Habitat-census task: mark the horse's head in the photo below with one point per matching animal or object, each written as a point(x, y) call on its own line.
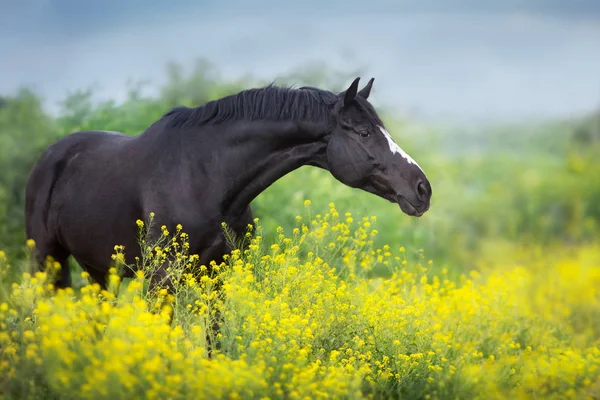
point(362, 154)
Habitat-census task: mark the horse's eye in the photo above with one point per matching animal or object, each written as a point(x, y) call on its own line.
point(364, 133)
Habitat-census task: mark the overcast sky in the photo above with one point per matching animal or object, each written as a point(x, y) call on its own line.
point(464, 60)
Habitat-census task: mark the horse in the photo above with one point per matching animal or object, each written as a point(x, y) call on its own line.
point(202, 167)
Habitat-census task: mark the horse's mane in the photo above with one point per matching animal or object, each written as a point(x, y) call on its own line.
point(267, 103)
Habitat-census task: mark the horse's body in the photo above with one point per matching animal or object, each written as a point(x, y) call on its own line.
point(201, 167)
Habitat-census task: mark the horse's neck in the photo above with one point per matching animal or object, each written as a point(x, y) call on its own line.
point(261, 153)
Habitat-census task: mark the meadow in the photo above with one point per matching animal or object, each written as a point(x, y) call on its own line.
point(493, 293)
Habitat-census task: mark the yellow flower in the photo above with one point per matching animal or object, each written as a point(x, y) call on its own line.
point(309, 317)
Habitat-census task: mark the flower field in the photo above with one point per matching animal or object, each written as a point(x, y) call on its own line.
point(309, 316)
point(493, 294)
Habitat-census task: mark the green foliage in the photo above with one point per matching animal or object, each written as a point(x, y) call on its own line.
point(25, 129)
point(534, 182)
point(299, 314)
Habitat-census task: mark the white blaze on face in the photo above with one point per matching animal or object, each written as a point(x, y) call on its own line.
point(396, 149)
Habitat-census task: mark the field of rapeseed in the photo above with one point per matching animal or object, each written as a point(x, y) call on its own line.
point(306, 318)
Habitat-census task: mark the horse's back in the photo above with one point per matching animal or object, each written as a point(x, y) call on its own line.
point(76, 142)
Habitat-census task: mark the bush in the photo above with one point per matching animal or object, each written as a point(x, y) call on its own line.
point(530, 182)
point(304, 318)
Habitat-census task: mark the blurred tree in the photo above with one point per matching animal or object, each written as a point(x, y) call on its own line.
point(76, 108)
point(506, 181)
point(318, 74)
point(587, 131)
point(25, 130)
point(201, 85)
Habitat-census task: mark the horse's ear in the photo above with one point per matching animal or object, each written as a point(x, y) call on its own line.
point(350, 93)
point(366, 91)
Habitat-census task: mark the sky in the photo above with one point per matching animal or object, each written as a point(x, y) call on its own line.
point(460, 60)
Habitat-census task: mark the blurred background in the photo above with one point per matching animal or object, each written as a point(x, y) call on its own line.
point(499, 102)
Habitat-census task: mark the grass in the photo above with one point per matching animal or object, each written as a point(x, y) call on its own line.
point(305, 316)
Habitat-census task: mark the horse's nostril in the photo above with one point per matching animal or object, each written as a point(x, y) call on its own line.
point(421, 189)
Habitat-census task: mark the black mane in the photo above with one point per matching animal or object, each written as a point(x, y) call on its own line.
point(267, 103)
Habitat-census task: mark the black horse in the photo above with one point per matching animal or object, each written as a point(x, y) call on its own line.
point(203, 166)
